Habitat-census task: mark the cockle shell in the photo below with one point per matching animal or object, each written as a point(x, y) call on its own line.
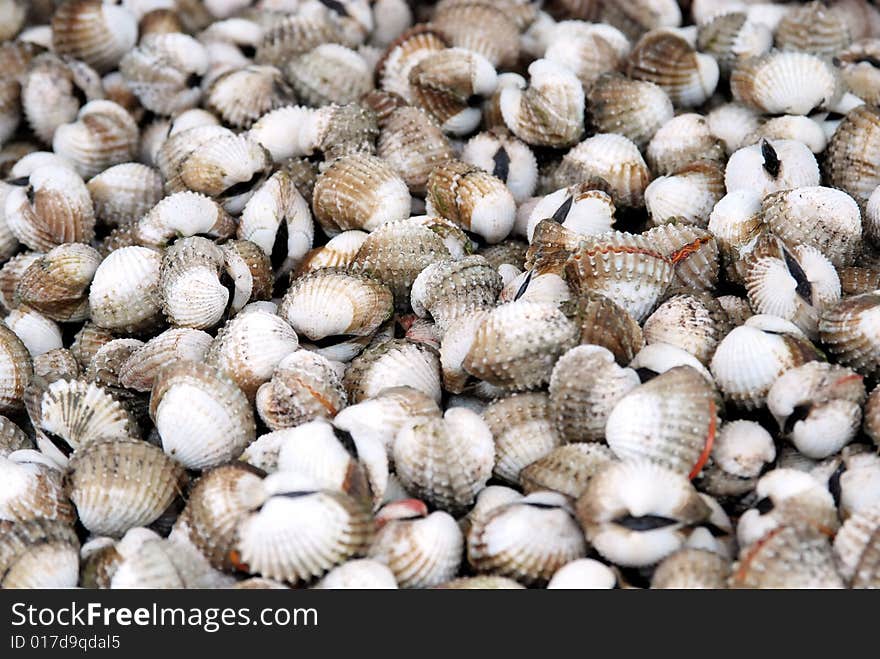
point(668, 60)
point(786, 82)
point(358, 574)
point(104, 134)
point(590, 51)
point(507, 158)
point(848, 330)
point(692, 569)
point(202, 417)
point(606, 324)
point(636, 109)
point(330, 73)
point(183, 214)
point(96, 32)
point(682, 141)
point(56, 283)
point(241, 96)
point(771, 166)
point(121, 194)
point(403, 54)
point(38, 333)
point(528, 539)
point(33, 488)
point(790, 127)
point(855, 548)
point(813, 28)
point(118, 484)
point(53, 207)
point(299, 33)
point(741, 452)
point(483, 27)
point(12, 438)
point(732, 123)
point(124, 294)
point(339, 252)
point(421, 550)
point(517, 344)
point(578, 208)
point(858, 69)
point(566, 469)
point(550, 111)
point(413, 144)
point(688, 195)
point(303, 387)
point(636, 513)
point(359, 192)
point(165, 72)
point(331, 302)
point(38, 553)
point(693, 322)
point(736, 223)
point(446, 461)
point(849, 158)
point(393, 363)
point(731, 36)
point(670, 420)
point(633, 17)
point(585, 385)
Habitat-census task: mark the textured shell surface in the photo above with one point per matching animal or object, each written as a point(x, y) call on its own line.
point(103, 134)
point(566, 469)
point(39, 554)
point(771, 166)
point(393, 363)
point(124, 294)
point(849, 158)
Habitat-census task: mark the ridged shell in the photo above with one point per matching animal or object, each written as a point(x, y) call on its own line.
point(527, 540)
point(858, 70)
point(668, 60)
point(124, 294)
point(784, 82)
point(682, 141)
point(330, 73)
point(412, 143)
point(693, 322)
point(692, 569)
point(549, 111)
point(422, 551)
point(850, 159)
point(403, 54)
point(104, 134)
point(771, 166)
point(849, 331)
point(123, 193)
point(566, 469)
point(635, 109)
point(303, 387)
point(670, 420)
point(604, 323)
point(813, 28)
point(687, 196)
point(56, 284)
point(855, 547)
point(33, 488)
point(482, 27)
point(38, 554)
point(517, 345)
point(736, 223)
point(588, 52)
point(12, 438)
point(183, 214)
point(202, 417)
point(731, 36)
point(118, 484)
point(94, 31)
point(445, 461)
point(393, 363)
point(241, 96)
point(358, 574)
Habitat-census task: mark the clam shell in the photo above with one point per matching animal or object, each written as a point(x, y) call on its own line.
point(56, 283)
point(303, 387)
point(858, 71)
point(118, 484)
point(687, 196)
point(124, 294)
point(507, 158)
point(692, 569)
point(358, 574)
point(359, 192)
point(38, 554)
point(279, 541)
point(566, 469)
point(294, 34)
point(191, 292)
point(849, 158)
point(693, 322)
point(183, 214)
point(403, 54)
point(732, 123)
point(202, 417)
point(848, 330)
point(731, 36)
point(249, 347)
point(141, 367)
point(813, 28)
point(549, 111)
point(104, 367)
point(241, 96)
point(330, 73)
point(421, 550)
point(855, 547)
point(670, 420)
point(104, 134)
point(413, 144)
point(445, 461)
point(528, 539)
point(749, 359)
point(668, 60)
point(33, 488)
point(38, 333)
point(482, 27)
point(12, 438)
point(524, 431)
point(736, 223)
point(123, 193)
point(339, 252)
point(517, 344)
point(331, 302)
point(636, 109)
point(393, 363)
point(786, 82)
point(633, 17)
point(585, 385)
point(682, 141)
point(94, 32)
point(587, 51)
point(606, 324)
point(787, 557)
point(771, 166)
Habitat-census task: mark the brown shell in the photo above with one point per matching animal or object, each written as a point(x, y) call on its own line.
point(604, 323)
point(848, 330)
point(413, 144)
point(567, 469)
point(853, 153)
point(17, 370)
point(482, 28)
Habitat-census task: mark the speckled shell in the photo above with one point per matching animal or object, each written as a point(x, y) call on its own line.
point(850, 162)
point(180, 215)
point(855, 548)
point(783, 82)
point(53, 207)
point(56, 283)
point(331, 302)
point(294, 34)
point(549, 111)
point(403, 54)
point(636, 109)
point(682, 141)
point(787, 557)
point(585, 385)
point(693, 322)
point(857, 69)
point(736, 223)
point(12, 438)
point(118, 484)
point(482, 27)
point(589, 51)
point(688, 195)
point(397, 252)
point(393, 363)
point(445, 461)
point(670, 420)
point(624, 267)
point(104, 134)
point(124, 294)
point(330, 73)
point(604, 323)
point(634, 17)
point(10, 273)
point(359, 192)
point(303, 387)
point(241, 96)
point(668, 60)
point(421, 550)
point(609, 162)
point(123, 193)
point(518, 343)
point(855, 280)
point(528, 539)
point(164, 70)
point(33, 488)
point(692, 569)
point(202, 417)
point(524, 431)
point(825, 218)
point(413, 144)
point(94, 31)
point(848, 330)
point(732, 123)
point(813, 28)
point(566, 469)
point(731, 36)
point(749, 359)
point(38, 554)
point(693, 253)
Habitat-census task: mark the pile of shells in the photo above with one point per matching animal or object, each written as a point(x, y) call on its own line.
point(458, 294)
